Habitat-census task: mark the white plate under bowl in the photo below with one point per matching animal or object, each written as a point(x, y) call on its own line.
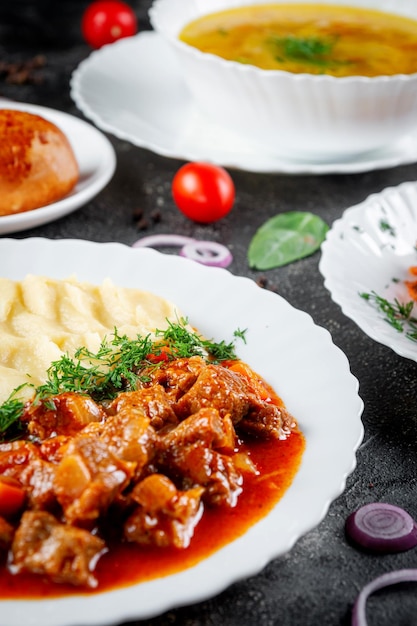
point(96, 160)
point(370, 249)
point(134, 89)
point(284, 345)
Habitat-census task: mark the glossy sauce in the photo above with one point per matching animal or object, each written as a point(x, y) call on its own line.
point(309, 38)
point(127, 564)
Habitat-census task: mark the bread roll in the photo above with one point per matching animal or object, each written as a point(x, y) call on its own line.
point(37, 163)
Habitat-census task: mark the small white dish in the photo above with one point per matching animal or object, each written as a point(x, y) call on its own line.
point(96, 159)
point(134, 89)
point(284, 345)
point(370, 249)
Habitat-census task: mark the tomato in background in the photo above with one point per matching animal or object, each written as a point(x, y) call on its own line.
point(203, 192)
point(106, 21)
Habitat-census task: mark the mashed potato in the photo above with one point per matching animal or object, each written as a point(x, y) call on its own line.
point(41, 319)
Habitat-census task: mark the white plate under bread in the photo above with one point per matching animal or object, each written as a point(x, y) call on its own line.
point(94, 156)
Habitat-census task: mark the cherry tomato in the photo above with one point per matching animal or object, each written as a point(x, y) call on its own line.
point(203, 192)
point(105, 21)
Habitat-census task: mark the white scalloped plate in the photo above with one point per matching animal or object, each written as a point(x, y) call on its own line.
point(284, 345)
point(134, 89)
point(96, 159)
point(370, 249)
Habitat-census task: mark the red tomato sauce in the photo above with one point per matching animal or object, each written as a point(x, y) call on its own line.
point(126, 563)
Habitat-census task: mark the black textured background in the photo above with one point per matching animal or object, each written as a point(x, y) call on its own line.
point(316, 583)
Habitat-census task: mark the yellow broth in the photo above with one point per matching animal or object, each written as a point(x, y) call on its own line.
point(309, 38)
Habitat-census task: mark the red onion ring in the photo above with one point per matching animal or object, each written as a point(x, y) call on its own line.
point(382, 528)
point(386, 580)
point(208, 253)
point(162, 241)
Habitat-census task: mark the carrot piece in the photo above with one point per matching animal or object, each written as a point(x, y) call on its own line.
point(411, 288)
point(12, 496)
point(162, 357)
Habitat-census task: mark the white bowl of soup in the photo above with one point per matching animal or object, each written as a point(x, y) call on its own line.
point(302, 79)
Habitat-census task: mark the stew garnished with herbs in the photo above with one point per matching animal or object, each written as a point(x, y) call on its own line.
point(136, 461)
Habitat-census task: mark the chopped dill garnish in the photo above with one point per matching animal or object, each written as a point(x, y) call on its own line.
point(314, 50)
point(240, 334)
point(10, 413)
point(308, 48)
point(101, 374)
point(386, 227)
point(183, 343)
point(398, 314)
point(120, 364)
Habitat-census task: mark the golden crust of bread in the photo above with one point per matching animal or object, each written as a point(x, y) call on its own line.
point(37, 163)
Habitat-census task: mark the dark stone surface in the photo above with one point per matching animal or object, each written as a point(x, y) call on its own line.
point(316, 583)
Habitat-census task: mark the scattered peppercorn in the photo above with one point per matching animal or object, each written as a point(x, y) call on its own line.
point(142, 224)
point(137, 214)
point(23, 72)
point(262, 282)
point(156, 216)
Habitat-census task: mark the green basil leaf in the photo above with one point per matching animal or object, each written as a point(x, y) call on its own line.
point(285, 238)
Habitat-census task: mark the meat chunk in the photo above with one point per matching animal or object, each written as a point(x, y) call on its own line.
point(64, 414)
point(267, 421)
point(205, 426)
point(15, 455)
point(218, 388)
point(65, 554)
point(153, 401)
point(177, 376)
point(129, 436)
point(88, 478)
point(165, 516)
point(231, 393)
point(37, 478)
point(52, 449)
point(196, 465)
point(188, 454)
point(22, 461)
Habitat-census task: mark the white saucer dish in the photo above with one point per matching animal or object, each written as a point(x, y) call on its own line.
point(123, 88)
point(96, 159)
point(370, 249)
point(313, 378)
